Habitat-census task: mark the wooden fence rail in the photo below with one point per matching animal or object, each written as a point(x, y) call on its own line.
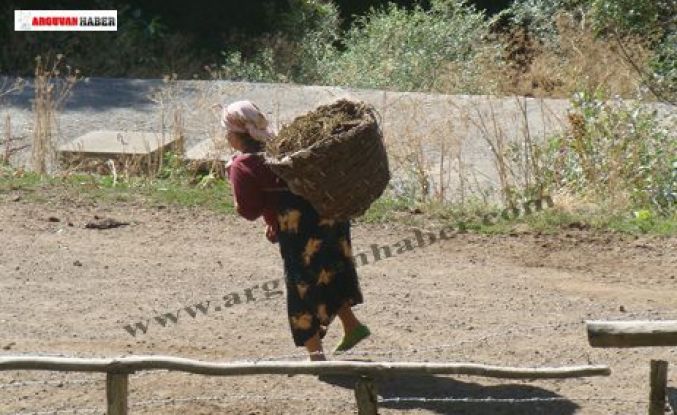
point(625, 334)
point(118, 369)
point(632, 333)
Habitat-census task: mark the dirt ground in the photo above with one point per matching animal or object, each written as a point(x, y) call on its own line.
point(513, 300)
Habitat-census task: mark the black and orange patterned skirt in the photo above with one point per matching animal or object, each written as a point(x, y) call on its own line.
point(318, 266)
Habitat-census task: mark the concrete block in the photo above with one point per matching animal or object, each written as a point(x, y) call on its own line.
point(91, 151)
point(110, 142)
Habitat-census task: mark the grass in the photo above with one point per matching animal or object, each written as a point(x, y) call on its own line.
point(216, 197)
point(664, 226)
point(386, 209)
point(550, 220)
point(556, 220)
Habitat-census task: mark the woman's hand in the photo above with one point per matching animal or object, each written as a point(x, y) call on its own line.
point(230, 163)
point(271, 233)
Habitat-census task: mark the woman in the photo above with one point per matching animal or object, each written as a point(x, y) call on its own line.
point(319, 271)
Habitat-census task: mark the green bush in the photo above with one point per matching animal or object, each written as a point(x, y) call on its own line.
point(615, 151)
point(395, 48)
point(392, 48)
point(644, 17)
point(304, 39)
point(538, 16)
point(313, 28)
point(260, 68)
point(664, 66)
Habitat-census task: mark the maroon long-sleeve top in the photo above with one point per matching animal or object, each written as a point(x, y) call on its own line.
point(252, 182)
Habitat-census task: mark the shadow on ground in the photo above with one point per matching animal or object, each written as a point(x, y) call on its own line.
point(432, 387)
point(97, 94)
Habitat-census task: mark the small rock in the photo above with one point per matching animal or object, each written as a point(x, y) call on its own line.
point(578, 225)
point(105, 223)
point(8, 346)
point(520, 228)
point(621, 309)
point(16, 198)
point(53, 219)
point(77, 263)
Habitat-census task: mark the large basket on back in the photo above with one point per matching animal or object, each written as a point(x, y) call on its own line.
point(342, 174)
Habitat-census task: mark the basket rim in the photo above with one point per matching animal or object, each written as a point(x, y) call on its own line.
point(287, 158)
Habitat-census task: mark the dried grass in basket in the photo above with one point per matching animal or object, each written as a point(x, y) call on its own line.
point(334, 157)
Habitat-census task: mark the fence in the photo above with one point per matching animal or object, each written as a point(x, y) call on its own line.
point(640, 334)
point(118, 371)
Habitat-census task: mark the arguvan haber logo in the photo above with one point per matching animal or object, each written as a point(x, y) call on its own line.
point(65, 20)
point(54, 21)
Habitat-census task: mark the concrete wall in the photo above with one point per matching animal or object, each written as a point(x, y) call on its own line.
point(442, 126)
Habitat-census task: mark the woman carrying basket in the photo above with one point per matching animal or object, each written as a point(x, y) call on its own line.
point(319, 271)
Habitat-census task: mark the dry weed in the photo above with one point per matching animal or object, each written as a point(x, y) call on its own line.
point(8, 140)
point(53, 83)
point(578, 60)
point(425, 162)
point(8, 87)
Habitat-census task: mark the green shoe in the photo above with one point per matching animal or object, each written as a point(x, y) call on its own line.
point(360, 333)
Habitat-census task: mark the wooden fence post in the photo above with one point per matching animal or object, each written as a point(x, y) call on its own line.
point(365, 394)
point(116, 393)
point(659, 383)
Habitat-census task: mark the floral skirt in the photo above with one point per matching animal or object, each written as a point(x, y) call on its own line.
point(319, 269)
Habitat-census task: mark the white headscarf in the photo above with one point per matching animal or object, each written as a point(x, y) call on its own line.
point(246, 117)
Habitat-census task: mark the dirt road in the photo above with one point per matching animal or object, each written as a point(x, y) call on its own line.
point(509, 300)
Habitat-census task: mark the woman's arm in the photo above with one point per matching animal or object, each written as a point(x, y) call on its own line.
point(248, 195)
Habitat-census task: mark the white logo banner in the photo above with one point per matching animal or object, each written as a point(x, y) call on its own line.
point(66, 20)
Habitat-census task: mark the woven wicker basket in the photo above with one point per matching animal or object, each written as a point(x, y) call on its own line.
point(340, 176)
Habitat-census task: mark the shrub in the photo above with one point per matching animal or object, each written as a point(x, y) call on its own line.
point(664, 67)
point(577, 60)
point(312, 29)
point(260, 68)
point(395, 48)
point(538, 16)
point(599, 35)
point(303, 43)
point(616, 151)
point(646, 17)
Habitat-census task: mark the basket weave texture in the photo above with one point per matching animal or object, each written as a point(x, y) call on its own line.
point(343, 173)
